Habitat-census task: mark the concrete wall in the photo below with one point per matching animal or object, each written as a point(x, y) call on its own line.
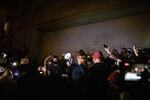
point(118, 33)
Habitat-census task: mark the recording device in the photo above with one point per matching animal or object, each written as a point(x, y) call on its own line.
point(105, 46)
point(135, 72)
point(132, 72)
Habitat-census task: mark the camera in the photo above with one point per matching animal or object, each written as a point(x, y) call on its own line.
point(136, 72)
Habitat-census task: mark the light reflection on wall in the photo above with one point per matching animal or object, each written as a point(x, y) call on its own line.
point(118, 33)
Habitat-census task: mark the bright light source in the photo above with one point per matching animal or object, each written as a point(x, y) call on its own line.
point(14, 64)
point(136, 69)
point(4, 55)
point(16, 74)
point(41, 72)
point(132, 76)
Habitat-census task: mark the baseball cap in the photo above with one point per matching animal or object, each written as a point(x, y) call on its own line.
point(97, 55)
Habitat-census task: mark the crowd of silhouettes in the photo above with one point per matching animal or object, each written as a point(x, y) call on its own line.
point(85, 75)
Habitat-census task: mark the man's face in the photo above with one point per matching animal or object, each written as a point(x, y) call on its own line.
point(55, 59)
point(80, 60)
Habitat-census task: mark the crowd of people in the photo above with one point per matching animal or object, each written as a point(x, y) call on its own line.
point(91, 75)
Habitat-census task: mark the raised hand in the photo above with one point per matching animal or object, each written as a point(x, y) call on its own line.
point(135, 50)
